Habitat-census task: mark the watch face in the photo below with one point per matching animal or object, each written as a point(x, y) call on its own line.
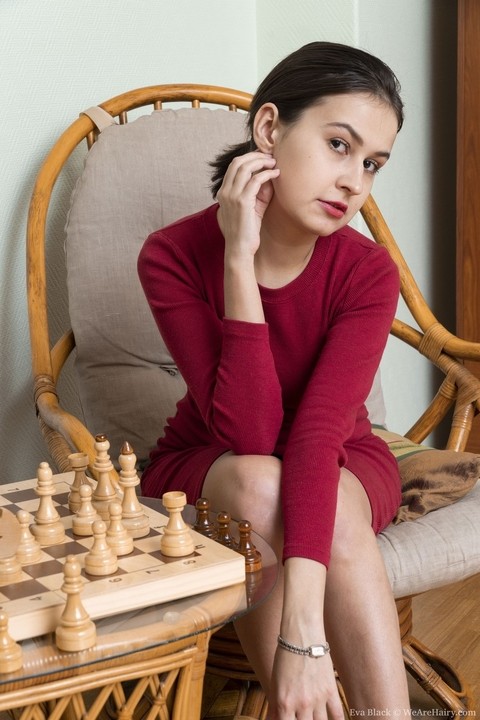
point(317, 650)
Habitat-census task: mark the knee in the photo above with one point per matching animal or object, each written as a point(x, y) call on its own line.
point(353, 531)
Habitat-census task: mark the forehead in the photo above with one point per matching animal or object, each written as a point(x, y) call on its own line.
point(367, 114)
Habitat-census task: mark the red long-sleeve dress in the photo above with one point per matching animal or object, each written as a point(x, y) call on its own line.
point(293, 387)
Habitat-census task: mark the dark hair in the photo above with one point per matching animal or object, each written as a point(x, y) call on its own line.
point(300, 80)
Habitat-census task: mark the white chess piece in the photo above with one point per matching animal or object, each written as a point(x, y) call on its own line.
point(118, 536)
point(75, 631)
point(85, 517)
point(133, 517)
point(47, 528)
point(177, 539)
point(101, 559)
point(28, 550)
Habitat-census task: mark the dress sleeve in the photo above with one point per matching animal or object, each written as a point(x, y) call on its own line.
point(327, 416)
point(227, 364)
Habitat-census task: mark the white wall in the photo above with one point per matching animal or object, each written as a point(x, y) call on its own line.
point(60, 56)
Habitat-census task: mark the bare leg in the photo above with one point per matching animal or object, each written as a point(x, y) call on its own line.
point(360, 614)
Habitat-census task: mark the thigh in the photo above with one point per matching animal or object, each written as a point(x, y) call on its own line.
point(248, 487)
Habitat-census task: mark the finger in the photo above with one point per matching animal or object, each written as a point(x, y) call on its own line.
point(241, 169)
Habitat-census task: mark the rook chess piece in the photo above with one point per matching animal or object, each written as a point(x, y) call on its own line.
point(85, 517)
point(75, 631)
point(104, 493)
point(133, 517)
point(47, 528)
point(203, 524)
point(101, 559)
point(10, 652)
point(177, 540)
point(118, 536)
point(79, 464)
point(28, 550)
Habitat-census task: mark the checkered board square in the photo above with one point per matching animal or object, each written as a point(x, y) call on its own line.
point(145, 577)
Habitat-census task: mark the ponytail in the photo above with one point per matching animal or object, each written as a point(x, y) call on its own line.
point(223, 160)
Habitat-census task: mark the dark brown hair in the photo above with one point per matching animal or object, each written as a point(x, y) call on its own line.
point(303, 78)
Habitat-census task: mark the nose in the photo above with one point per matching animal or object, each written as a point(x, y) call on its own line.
point(352, 178)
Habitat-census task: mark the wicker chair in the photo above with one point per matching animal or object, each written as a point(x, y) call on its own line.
point(459, 393)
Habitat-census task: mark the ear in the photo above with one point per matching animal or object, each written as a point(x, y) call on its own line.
point(265, 126)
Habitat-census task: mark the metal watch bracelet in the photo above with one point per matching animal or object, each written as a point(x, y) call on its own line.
point(315, 651)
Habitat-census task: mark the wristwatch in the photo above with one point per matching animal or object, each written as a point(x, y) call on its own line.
point(314, 651)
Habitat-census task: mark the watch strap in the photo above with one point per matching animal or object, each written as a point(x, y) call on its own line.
point(315, 651)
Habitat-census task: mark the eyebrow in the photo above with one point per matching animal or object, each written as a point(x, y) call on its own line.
point(357, 137)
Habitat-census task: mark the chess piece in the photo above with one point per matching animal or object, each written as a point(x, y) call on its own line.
point(75, 631)
point(223, 535)
point(10, 570)
point(79, 464)
point(177, 540)
point(203, 524)
point(104, 493)
point(28, 550)
point(253, 557)
point(118, 536)
point(83, 520)
point(47, 527)
point(11, 658)
point(133, 517)
point(101, 559)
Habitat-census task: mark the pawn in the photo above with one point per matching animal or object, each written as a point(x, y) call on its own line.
point(11, 658)
point(47, 528)
point(78, 463)
point(75, 631)
point(224, 537)
point(253, 557)
point(118, 536)
point(10, 570)
point(85, 517)
point(29, 550)
point(177, 539)
point(203, 524)
point(101, 559)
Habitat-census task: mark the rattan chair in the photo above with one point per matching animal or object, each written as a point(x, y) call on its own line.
point(458, 395)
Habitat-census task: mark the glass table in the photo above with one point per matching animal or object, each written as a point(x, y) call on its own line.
point(155, 656)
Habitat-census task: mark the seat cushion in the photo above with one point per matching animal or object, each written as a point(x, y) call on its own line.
point(440, 548)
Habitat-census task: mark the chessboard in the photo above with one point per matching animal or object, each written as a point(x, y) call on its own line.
point(144, 577)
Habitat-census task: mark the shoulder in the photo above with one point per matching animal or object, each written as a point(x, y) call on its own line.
point(362, 255)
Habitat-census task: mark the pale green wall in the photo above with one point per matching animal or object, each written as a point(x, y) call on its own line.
point(59, 56)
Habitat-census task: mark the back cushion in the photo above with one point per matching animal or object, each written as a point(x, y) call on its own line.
point(137, 178)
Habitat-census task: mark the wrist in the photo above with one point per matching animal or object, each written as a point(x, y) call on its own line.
point(316, 650)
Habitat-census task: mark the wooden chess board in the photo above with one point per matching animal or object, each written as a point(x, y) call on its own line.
point(144, 578)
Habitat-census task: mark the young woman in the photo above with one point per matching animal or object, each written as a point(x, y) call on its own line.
point(277, 314)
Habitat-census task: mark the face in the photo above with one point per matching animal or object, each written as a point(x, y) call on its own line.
point(328, 160)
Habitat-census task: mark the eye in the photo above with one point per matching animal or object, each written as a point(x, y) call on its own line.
point(339, 146)
point(371, 166)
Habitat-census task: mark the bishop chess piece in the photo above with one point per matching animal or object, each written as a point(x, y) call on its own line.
point(11, 658)
point(75, 631)
point(203, 524)
point(29, 550)
point(177, 539)
point(104, 493)
point(47, 527)
point(78, 463)
point(133, 517)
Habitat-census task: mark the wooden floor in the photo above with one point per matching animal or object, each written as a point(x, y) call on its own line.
point(446, 620)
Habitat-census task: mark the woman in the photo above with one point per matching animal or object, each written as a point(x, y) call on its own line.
point(277, 314)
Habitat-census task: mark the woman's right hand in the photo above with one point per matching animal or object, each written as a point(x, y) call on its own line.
point(243, 198)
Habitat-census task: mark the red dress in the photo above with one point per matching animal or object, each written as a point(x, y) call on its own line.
point(294, 387)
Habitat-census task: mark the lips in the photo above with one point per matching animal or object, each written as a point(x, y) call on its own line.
point(335, 209)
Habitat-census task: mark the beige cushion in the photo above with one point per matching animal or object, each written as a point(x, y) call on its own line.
point(430, 478)
point(137, 178)
point(440, 548)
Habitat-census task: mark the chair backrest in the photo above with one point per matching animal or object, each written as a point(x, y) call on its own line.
point(139, 176)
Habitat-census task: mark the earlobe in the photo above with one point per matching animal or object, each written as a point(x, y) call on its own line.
point(265, 126)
